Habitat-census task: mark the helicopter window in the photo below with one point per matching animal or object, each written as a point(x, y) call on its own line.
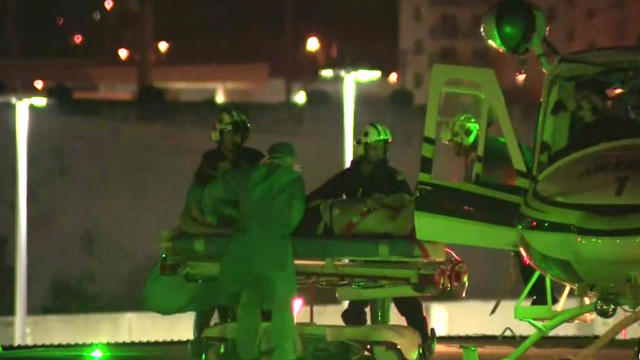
point(601, 108)
point(459, 133)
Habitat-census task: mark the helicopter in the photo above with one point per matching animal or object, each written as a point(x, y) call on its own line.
point(570, 205)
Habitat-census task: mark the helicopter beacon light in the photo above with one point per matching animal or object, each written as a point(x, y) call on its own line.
point(513, 26)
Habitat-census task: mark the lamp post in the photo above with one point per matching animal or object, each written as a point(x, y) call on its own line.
point(350, 78)
point(22, 132)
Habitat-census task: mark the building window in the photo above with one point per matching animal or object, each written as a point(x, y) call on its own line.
point(481, 56)
point(448, 55)
point(571, 34)
point(474, 26)
point(418, 80)
point(418, 47)
point(446, 28)
point(417, 13)
point(552, 15)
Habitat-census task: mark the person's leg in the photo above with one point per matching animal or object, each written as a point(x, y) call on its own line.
point(282, 324)
point(411, 309)
point(201, 321)
point(249, 322)
point(355, 313)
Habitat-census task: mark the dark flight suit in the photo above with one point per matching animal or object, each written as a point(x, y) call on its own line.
point(352, 183)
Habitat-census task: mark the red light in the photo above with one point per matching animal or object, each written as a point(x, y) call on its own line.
point(108, 4)
point(534, 223)
point(525, 257)
point(59, 20)
point(38, 84)
point(78, 39)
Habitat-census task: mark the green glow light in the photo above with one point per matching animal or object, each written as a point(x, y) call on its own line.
point(326, 73)
point(364, 75)
point(300, 98)
point(38, 101)
point(96, 354)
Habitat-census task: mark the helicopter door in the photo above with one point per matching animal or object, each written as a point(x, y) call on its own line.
point(473, 175)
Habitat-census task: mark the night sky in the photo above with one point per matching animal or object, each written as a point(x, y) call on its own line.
point(209, 31)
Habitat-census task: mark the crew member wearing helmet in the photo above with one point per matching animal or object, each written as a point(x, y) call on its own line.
point(497, 169)
point(370, 174)
point(230, 132)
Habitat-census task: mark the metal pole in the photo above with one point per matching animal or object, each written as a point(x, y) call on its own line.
point(348, 109)
point(146, 45)
point(22, 130)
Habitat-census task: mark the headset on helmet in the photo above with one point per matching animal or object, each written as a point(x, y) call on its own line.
point(372, 133)
point(462, 131)
point(232, 121)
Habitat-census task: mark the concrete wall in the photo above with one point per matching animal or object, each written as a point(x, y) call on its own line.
point(455, 318)
point(106, 178)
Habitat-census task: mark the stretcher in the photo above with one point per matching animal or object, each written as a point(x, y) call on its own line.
point(358, 267)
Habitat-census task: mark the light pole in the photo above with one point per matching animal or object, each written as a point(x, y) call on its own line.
point(350, 78)
point(22, 136)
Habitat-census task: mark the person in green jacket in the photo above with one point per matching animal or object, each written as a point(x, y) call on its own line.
point(259, 263)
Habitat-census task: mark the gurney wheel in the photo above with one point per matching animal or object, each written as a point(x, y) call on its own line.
point(218, 350)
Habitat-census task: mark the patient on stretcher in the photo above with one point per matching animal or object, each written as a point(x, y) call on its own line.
point(377, 215)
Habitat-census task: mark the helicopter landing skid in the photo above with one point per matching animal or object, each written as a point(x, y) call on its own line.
point(590, 352)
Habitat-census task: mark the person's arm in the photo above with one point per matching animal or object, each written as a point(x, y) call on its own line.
point(334, 188)
point(400, 184)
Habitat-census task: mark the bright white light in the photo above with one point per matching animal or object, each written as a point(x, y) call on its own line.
point(22, 131)
point(364, 75)
point(123, 54)
point(348, 108)
point(521, 77)
point(38, 101)
point(393, 78)
point(326, 73)
point(494, 45)
point(300, 98)
point(38, 84)
point(220, 96)
point(296, 305)
point(313, 44)
point(163, 46)
point(96, 354)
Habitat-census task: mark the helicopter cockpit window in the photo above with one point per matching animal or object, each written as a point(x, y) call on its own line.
point(591, 110)
point(459, 131)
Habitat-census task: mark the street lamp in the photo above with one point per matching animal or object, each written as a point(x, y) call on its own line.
point(313, 44)
point(350, 78)
point(163, 46)
point(22, 131)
